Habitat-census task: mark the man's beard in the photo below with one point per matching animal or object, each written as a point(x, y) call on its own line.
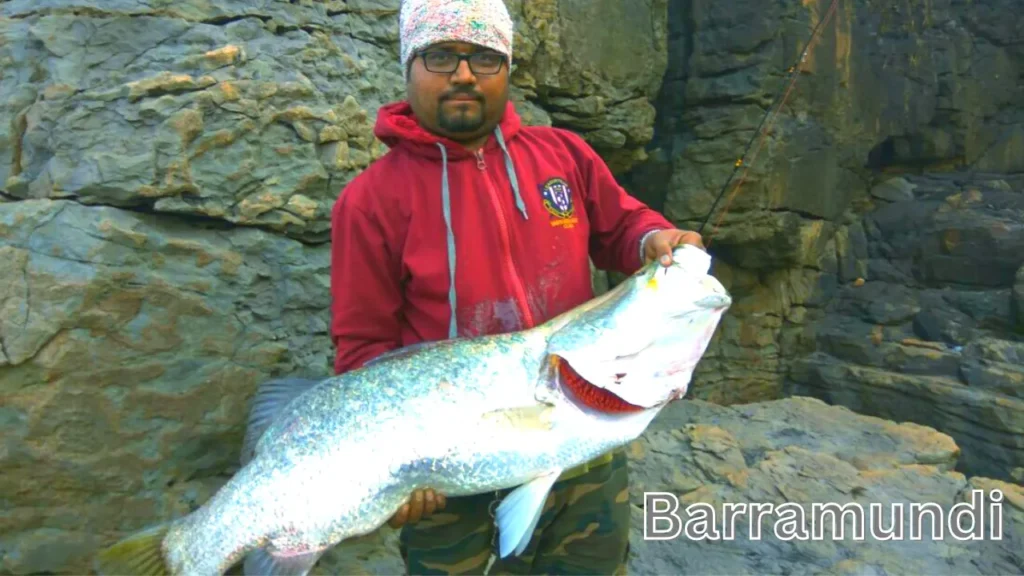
point(461, 121)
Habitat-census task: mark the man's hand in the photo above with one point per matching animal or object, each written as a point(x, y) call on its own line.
point(420, 505)
point(659, 245)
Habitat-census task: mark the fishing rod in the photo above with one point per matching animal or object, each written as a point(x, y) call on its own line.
point(773, 111)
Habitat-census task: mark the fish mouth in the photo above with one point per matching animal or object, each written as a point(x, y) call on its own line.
point(588, 395)
point(633, 374)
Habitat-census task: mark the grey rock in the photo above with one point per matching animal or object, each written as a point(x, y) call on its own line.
point(922, 95)
point(1017, 302)
point(994, 364)
point(879, 303)
point(132, 344)
point(987, 423)
point(944, 325)
point(943, 138)
point(801, 452)
point(929, 337)
point(894, 190)
point(259, 113)
point(852, 253)
point(986, 307)
point(871, 345)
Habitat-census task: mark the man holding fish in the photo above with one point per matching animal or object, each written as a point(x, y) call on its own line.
point(475, 224)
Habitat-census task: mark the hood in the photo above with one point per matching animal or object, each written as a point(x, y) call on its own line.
point(397, 126)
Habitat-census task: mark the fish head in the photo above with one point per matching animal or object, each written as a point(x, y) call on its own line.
point(642, 340)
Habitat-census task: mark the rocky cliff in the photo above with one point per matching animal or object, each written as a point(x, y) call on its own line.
point(167, 170)
point(798, 453)
point(895, 162)
point(921, 326)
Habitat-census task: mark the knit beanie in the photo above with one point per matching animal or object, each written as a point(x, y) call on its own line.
point(425, 22)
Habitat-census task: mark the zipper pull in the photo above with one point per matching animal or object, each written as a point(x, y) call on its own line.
point(480, 160)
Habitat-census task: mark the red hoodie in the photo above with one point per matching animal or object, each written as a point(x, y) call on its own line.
point(391, 236)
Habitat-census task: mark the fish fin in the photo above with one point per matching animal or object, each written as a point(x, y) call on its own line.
point(270, 400)
point(406, 350)
point(139, 554)
point(534, 417)
point(265, 563)
point(519, 512)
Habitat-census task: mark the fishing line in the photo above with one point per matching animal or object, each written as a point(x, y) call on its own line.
point(762, 130)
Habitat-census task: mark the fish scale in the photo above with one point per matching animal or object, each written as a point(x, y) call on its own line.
point(331, 460)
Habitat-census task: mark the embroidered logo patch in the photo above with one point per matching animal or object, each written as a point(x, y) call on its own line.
point(558, 202)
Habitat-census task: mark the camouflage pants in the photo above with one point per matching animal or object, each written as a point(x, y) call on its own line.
point(584, 529)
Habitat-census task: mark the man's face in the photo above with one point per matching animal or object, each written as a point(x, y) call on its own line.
point(461, 105)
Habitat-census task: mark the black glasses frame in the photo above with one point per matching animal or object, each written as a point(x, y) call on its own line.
point(460, 57)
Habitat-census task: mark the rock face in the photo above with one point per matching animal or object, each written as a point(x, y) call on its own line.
point(599, 85)
point(131, 345)
point(930, 91)
point(167, 175)
point(922, 327)
point(257, 113)
point(916, 87)
point(1018, 299)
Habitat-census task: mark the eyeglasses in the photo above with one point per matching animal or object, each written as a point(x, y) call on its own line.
point(486, 63)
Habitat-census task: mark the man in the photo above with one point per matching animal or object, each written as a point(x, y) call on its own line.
point(474, 224)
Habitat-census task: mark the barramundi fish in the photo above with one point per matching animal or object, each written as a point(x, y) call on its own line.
point(329, 460)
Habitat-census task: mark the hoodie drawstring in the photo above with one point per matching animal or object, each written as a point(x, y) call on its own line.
point(511, 172)
point(446, 206)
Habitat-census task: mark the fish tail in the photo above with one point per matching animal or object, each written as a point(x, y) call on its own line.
point(139, 554)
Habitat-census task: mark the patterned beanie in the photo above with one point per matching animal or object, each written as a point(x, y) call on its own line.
point(425, 22)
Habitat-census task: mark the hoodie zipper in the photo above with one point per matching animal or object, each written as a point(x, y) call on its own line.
point(506, 241)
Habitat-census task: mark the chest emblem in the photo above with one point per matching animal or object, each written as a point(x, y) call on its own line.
point(558, 202)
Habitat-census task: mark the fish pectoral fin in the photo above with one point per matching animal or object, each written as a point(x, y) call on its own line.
point(262, 562)
point(139, 554)
point(270, 400)
point(519, 512)
point(534, 417)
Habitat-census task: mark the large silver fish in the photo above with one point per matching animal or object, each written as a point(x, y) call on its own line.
point(335, 459)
